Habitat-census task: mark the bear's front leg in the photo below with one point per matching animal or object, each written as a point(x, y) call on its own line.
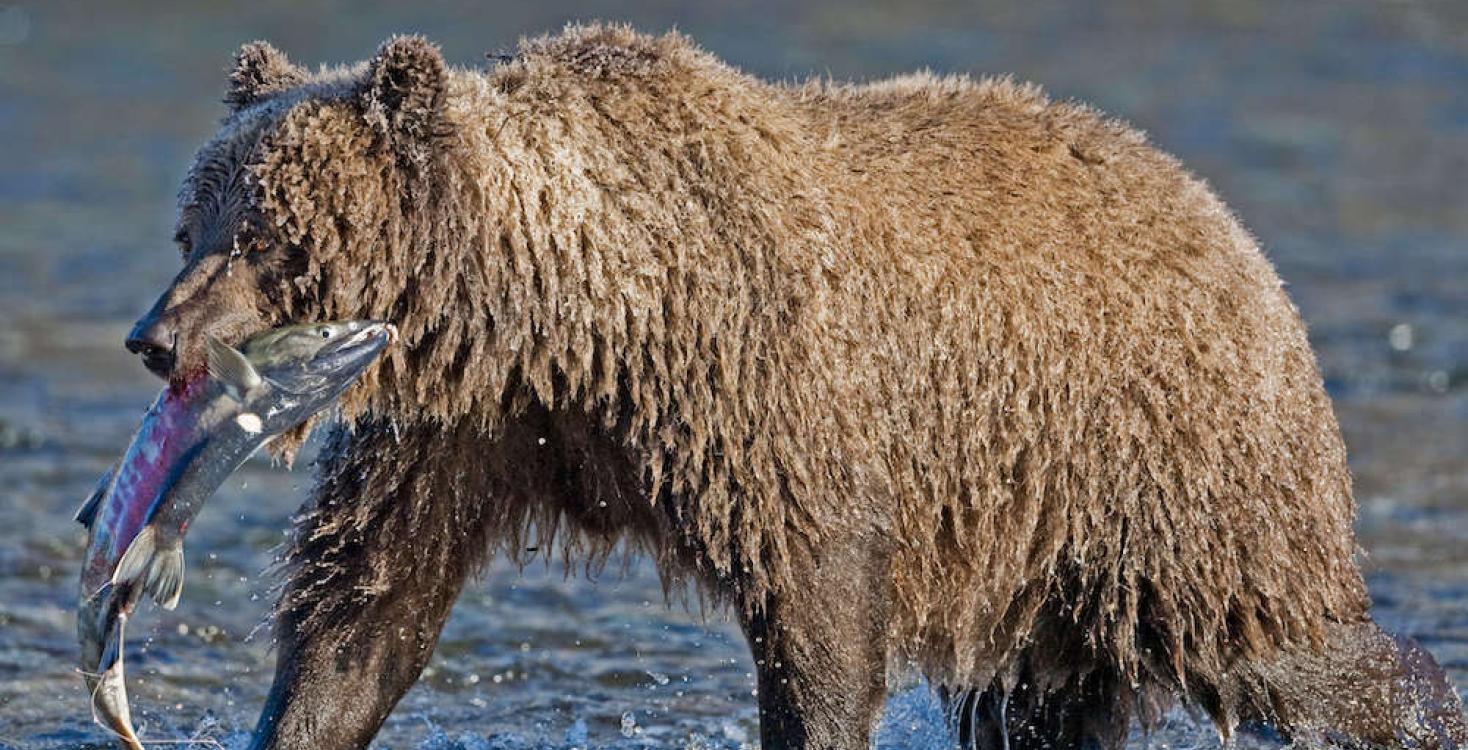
point(377, 562)
point(820, 646)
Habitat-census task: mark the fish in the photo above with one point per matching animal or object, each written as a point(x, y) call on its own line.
point(100, 625)
point(191, 439)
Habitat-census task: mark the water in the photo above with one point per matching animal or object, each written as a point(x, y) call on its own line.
point(1338, 131)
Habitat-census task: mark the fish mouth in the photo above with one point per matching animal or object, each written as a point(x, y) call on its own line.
point(369, 333)
point(346, 357)
point(372, 332)
point(363, 345)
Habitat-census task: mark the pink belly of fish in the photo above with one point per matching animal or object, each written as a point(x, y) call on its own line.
point(169, 430)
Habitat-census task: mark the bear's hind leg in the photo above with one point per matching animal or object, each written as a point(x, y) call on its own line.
point(1085, 713)
point(1366, 689)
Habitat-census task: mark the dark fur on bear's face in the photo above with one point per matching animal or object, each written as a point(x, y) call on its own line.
point(928, 374)
point(245, 266)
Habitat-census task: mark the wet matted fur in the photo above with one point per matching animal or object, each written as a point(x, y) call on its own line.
point(990, 364)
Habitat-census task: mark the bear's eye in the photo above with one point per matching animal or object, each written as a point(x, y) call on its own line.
point(181, 238)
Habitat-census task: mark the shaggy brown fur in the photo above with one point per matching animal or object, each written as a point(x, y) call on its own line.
point(989, 369)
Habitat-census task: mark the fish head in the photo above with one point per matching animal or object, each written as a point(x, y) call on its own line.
point(315, 362)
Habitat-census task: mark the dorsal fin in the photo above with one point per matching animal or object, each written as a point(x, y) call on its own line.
point(231, 369)
point(86, 514)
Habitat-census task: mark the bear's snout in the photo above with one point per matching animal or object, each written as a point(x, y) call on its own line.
point(205, 298)
point(155, 343)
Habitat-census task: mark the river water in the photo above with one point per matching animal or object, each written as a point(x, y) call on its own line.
point(1339, 131)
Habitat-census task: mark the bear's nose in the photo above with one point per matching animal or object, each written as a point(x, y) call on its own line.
point(155, 343)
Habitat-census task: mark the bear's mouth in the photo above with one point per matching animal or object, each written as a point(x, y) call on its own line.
point(157, 358)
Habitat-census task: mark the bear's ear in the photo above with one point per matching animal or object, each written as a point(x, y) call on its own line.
point(403, 94)
point(260, 71)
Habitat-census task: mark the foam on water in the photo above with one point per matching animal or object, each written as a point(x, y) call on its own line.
point(913, 720)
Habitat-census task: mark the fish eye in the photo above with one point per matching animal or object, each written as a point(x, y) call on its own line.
point(326, 333)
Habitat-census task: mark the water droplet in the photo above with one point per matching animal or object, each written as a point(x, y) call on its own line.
point(1400, 337)
point(1438, 381)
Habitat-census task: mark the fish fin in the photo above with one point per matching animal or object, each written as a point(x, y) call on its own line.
point(135, 561)
point(86, 514)
point(231, 369)
point(112, 647)
point(165, 579)
point(156, 569)
point(109, 692)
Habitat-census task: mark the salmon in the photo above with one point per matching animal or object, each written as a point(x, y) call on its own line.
point(191, 439)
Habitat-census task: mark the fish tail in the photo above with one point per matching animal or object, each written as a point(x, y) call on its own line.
point(109, 691)
point(158, 570)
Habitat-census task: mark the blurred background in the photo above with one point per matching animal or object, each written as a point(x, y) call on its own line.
point(1337, 130)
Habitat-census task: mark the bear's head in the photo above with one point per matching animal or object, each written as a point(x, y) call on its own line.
point(305, 204)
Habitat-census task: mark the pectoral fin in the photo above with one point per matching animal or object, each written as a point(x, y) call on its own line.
point(157, 569)
point(231, 369)
point(165, 579)
point(86, 514)
point(135, 560)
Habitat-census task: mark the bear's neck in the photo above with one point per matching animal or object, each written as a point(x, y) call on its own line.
point(599, 248)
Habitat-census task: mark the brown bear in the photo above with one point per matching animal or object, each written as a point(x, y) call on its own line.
point(926, 376)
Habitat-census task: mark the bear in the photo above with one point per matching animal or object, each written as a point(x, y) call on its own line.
point(924, 376)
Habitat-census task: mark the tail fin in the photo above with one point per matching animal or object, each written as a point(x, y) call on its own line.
point(157, 570)
point(109, 690)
